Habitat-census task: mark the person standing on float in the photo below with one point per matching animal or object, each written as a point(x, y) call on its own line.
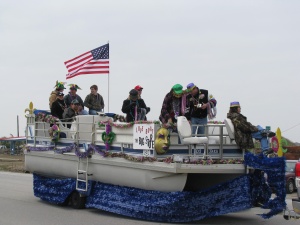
point(173, 105)
point(146, 109)
point(200, 105)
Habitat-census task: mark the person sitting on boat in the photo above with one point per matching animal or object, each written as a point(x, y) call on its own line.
point(71, 112)
point(58, 106)
point(200, 105)
point(82, 111)
point(173, 105)
point(94, 101)
point(140, 89)
point(133, 107)
point(73, 95)
point(59, 87)
point(244, 131)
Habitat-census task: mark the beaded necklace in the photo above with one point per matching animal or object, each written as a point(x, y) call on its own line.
point(176, 106)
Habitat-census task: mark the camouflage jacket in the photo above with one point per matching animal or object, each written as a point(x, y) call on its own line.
point(94, 102)
point(242, 130)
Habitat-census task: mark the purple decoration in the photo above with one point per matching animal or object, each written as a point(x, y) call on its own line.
point(39, 149)
point(96, 149)
point(82, 154)
point(108, 130)
point(66, 149)
point(51, 148)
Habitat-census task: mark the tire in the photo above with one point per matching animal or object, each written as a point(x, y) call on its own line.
point(286, 217)
point(77, 201)
point(290, 186)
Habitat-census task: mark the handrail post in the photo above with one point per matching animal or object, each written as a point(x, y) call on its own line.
point(221, 141)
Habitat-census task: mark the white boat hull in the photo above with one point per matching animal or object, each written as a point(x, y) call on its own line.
point(106, 171)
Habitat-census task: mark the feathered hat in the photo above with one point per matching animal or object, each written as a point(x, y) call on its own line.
point(74, 87)
point(60, 85)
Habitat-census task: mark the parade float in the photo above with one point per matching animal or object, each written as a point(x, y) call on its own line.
point(144, 170)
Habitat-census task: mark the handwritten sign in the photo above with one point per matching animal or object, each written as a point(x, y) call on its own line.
point(143, 136)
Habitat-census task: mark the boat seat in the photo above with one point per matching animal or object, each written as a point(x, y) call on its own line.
point(230, 129)
point(213, 140)
point(185, 133)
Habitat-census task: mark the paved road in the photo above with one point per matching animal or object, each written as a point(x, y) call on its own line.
point(18, 206)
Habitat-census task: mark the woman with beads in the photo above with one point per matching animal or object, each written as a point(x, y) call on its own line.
point(134, 107)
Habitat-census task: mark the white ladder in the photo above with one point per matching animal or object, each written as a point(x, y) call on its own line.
point(82, 174)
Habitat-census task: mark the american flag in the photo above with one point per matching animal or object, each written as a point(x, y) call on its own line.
point(92, 62)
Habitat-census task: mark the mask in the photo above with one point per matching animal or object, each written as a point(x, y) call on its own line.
point(162, 141)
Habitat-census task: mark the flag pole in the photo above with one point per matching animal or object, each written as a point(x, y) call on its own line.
point(108, 93)
point(108, 84)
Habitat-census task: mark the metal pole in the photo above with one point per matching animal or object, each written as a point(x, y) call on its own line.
point(18, 125)
point(108, 80)
point(108, 94)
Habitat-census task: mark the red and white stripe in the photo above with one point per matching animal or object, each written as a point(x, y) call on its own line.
point(84, 64)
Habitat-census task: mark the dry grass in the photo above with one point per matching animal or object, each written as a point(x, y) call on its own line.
point(12, 163)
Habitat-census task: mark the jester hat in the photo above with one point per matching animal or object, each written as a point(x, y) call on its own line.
point(74, 87)
point(60, 85)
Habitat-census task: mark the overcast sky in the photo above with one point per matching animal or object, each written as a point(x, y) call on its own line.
point(246, 51)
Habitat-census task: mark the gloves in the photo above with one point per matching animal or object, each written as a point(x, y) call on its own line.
point(147, 109)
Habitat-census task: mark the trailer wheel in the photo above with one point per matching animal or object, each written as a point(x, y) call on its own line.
point(77, 201)
point(286, 217)
point(290, 187)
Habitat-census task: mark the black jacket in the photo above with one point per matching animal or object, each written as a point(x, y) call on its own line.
point(68, 99)
point(69, 116)
point(129, 108)
point(58, 107)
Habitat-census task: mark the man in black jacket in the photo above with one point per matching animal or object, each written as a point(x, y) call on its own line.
point(134, 107)
point(58, 106)
point(200, 105)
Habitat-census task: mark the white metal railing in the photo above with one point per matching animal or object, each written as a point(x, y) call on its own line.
point(215, 132)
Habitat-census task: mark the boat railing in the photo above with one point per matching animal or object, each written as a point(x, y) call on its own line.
point(80, 131)
point(85, 132)
point(219, 144)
